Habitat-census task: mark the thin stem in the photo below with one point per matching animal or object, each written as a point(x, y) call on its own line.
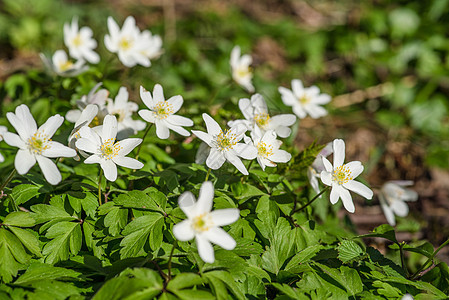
point(429, 260)
point(207, 175)
point(250, 164)
point(311, 201)
point(401, 253)
point(11, 175)
point(99, 186)
point(170, 259)
point(143, 139)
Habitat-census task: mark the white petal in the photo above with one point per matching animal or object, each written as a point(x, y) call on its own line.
point(347, 200)
point(162, 130)
point(205, 249)
point(93, 159)
point(280, 156)
point(146, 97)
point(183, 231)
point(215, 159)
point(326, 178)
point(51, 125)
point(179, 120)
point(283, 131)
point(339, 153)
point(158, 94)
point(176, 102)
point(355, 167)
point(22, 121)
point(233, 159)
point(297, 87)
point(58, 150)
point(109, 169)
point(177, 129)
point(212, 126)
point(109, 128)
point(388, 212)
point(205, 137)
point(14, 140)
point(205, 198)
point(49, 169)
point(400, 208)
point(222, 217)
point(246, 108)
point(86, 116)
point(299, 110)
point(327, 165)
point(202, 153)
point(24, 161)
point(335, 194)
point(187, 204)
point(315, 111)
point(127, 145)
point(282, 120)
point(128, 162)
point(147, 115)
point(246, 151)
point(86, 145)
point(287, 96)
point(259, 104)
point(122, 97)
point(359, 188)
point(220, 237)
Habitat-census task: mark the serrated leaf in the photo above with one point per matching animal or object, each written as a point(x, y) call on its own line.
point(154, 200)
point(348, 251)
point(24, 192)
point(303, 256)
point(12, 255)
point(184, 280)
point(38, 271)
point(60, 245)
point(45, 213)
point(116, 219)
point(28, 239)
point(384, 231)
point(20, 219)
point(224, 278)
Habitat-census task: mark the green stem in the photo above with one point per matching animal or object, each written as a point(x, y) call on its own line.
point(401, 253)
point(143, 139)
point(429, 260)
point(207, 175)
point(99, 186)
point(170, 259)
point(11, 175)
point(249, 165)
point(311, 201)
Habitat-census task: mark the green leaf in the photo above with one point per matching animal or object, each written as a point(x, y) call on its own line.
point(24, 192)
point(137, 234)
point(19, 218)
point(12, 255)
point(65, 237)
point(303, 256)
point(384, 231)
point(28, 238)
point(38, 271)
point(349, 251)
point(45, 213)
point(153, 200)
point(184, 280)
point(222, 280)
point(116, 218)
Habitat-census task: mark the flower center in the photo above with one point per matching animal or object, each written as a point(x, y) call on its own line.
point(262, 120)
point(304, 99)
point(243, 72)
point(163, 109)
point(342, 174)
point(95, 122)
point(225, 140)
point(38, 142)
point(77, 41)
point(202, 223)
point(125, 44)
point(65, 66)
point(264, 150)
point(109, 150)
point(120, 115)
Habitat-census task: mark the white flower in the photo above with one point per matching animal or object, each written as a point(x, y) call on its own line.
point(35, 144)
point(123, 110)
point(314, 171)
point(86, 117)
point(340, 177)
point(305, 101)
point(98, 98)
point(407, 297)
point(240, 67)
point(268, 152)
point(80, 42)
point(392, 198)
point(225, 145)
point(128, 43)
point(3, 130)
point(162, 113)
point(204, 224)
point(256, 114)
point(106, 151)
point(152, 45)
point(61, 65)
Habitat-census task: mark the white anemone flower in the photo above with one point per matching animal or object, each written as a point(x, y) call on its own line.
point(86, 117)
point(152, 47)
point(162, 113)
point(123, 110)
point(392, 196)
point(224, 145)
point(3, 130)
point(95, 96)
point(128, 42)
point(340, 177)
point(35, 144)
point(305, 101)
point(204, 224)
point(106, 151)
point(268, 152)
point(61, 65)
point(256, 114)
point(80, 42)
point(314, 171)
point(240, 67)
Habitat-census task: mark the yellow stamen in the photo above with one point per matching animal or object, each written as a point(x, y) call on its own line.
point(109, 149)
point(342, 174)
point(226, 140)
point(38, 142)
point(65, 66)
point(77, 40)
point(243, 72)
point(125, 43)
point(262, 120)
point(202, 223)
point(163, 109)
point(264, 150)
point(304, 99)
